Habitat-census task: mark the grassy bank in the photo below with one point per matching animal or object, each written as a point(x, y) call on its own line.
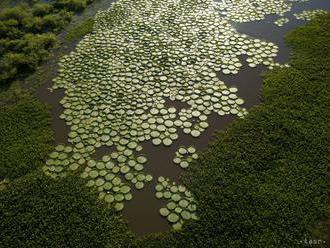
point(37, 211)
point(25, 136)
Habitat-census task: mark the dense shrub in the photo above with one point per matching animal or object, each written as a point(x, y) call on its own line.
point(27, 25)
point(41, 9)
point(264, 181)
point(73, 5)
point(26, 54)
point(25, 137)
point(38, 212)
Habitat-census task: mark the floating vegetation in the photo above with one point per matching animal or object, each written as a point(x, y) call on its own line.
point(280, 22)
point(184, 156)
point(308, 15)
point(180, 202)
point(252, 10)
point(104, 174)
point(60, 159)
point(117, 80)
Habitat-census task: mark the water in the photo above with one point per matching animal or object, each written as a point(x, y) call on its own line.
point(142, 211)
point(48, 71)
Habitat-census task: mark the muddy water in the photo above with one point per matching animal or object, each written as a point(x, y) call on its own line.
point(48, 71)
point(142, 211)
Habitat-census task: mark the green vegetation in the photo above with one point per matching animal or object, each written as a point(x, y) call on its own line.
point(80, 30)
point(110, 58)
point(25, 137)
point(180, 205)
point(263, 182)
point(184, 156)
point(28, 32)
point(37, 212)
point(72, 5)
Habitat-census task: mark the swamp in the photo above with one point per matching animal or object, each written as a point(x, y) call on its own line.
point(148, 123)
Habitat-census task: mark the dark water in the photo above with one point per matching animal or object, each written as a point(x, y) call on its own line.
point(48, 71)
point(267, 30)
point(142, 211)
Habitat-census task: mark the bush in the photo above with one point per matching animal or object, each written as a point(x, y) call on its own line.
point(25, 137)
point(15, 13)
point(42, 9)
point(57, 21)
point(73, 5)
point(37, 212)
point(32, 24)
point(26, 54)
point(8, 29)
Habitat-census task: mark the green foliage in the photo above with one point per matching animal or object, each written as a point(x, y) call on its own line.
point(25, 137)
point(42, 9)
point(80, 30)
point(37, 212)
point(57, 21)
point(264, 181)
point(28, 53)
point(31, 25)
point(73, 5)
point(15, 13)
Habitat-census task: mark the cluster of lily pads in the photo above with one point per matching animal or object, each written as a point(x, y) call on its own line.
point(116, 82)
point(252, 10)
point(184, 156)
point(104, 174)
point(280, 22)
point(180, 202)
point(62, 159)
point(308, 15)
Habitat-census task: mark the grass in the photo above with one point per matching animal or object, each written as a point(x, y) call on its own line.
point(79, 30)
point(37, 212)
point(25, 136)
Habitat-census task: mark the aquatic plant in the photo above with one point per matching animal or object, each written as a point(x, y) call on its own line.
point(138, 55)
point(252, 10)
point(180, 206)
point(308, 15)
point(263, 181)
point(184, 156)
point(280, 22)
